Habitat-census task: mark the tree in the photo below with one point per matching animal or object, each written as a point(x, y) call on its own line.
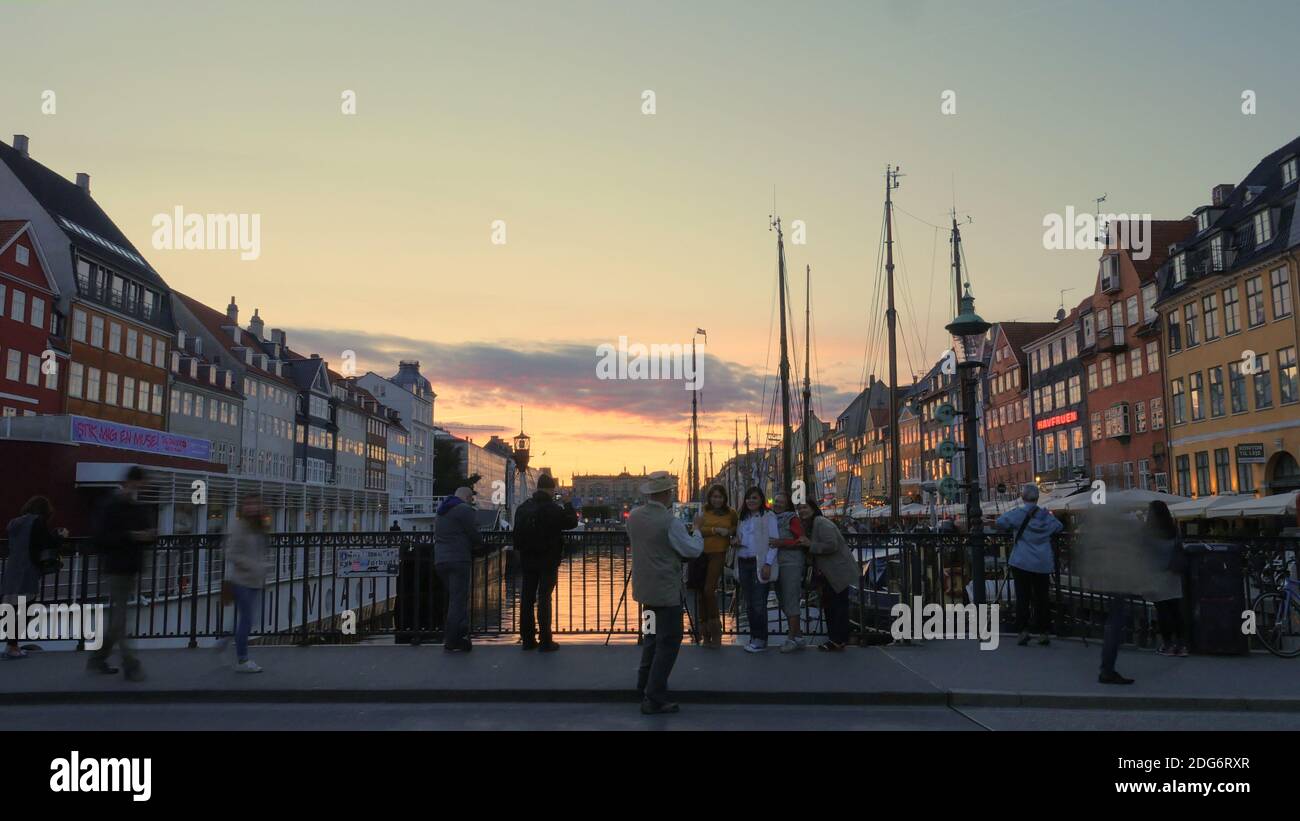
point(446, 469)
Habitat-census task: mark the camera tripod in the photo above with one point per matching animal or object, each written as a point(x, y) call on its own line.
point(627, 578)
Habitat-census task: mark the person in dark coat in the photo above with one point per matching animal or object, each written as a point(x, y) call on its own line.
point(455, 539)
point(540, 523)
point(30, 539)
point(123, 534)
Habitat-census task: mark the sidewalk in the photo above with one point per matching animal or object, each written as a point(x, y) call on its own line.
point(931, 673)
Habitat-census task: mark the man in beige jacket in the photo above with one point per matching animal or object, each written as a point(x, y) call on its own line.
point(660, 543)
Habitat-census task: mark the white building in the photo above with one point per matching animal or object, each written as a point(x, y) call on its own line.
point(410, 487)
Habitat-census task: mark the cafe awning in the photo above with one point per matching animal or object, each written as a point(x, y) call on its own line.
point(1279, 504)
point(1198, 508)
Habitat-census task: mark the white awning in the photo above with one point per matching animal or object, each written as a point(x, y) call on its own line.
point(1280, 504)
point(1198, 508)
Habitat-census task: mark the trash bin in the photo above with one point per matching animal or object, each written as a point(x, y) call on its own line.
point(420, 602)
point(1216, 598)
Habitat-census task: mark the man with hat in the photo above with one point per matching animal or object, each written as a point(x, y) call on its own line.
point(660, 543)
point(539, 526)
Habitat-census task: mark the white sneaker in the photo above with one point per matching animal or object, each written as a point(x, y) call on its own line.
point(792, 645)
point(755, 647)
point(247, 666)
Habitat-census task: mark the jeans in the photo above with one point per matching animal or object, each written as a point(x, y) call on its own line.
point(1116, 618)
point(659, 653)
point(539, 584)
point(835, 606)
point(755, 593)
point(789, 589)
point(245, 615)
point(1169, 615)
point(1032, 588)
point(119, 593)
point(456, 579)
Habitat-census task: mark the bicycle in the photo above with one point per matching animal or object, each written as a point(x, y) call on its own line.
point(1277, 618)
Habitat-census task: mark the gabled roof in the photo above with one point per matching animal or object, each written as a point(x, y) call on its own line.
point(1020, 334)
point(10, 231)
point(213, 321)
point(79, 216)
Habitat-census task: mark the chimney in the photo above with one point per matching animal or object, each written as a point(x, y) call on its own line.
point(83, 181)
point(278, 337)
point(256, 326)
point(1219, 194)
point(232, 312)
point(20, 144)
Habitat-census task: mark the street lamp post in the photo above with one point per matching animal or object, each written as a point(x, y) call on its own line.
point(968, 331)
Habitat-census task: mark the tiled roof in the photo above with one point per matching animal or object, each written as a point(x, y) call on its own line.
point(213, 320)
point(1020, 334)
point(10, 229)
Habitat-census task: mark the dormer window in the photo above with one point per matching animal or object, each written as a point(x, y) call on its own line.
point(1289, 171)
point(1263, 228)
point(1203, 220)
point(1180, 269)
point(1216, 253)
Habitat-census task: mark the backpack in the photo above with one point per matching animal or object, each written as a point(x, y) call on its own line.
point(526, 532)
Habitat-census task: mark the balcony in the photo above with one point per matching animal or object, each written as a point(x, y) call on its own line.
point(1111, 340)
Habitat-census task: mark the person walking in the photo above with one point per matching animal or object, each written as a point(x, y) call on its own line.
point(756, 566)
point(790, 561)
point(1031, 562)
point(123, 533)
point(838, 570)
point(1165, 551)
point(717, 524)
point(539, 528)
point(455, 539)
point(33, 546)
point(246, 568)
point(660, 543)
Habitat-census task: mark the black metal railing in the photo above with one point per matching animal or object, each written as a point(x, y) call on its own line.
point(341, 587)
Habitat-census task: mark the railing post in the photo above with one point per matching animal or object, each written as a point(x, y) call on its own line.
point(194, 598)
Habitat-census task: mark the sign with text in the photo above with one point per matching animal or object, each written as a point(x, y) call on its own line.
point(1057, 420)
point(1250, 454)
point(129, 437)
point(366, 562)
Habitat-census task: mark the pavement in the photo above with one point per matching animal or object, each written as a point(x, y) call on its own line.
point(956, 675)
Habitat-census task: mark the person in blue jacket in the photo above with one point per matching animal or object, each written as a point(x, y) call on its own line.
point(1031, 562)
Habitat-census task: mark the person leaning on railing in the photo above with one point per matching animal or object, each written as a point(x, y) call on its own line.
point(455, 539)
point(838, 570)
point(717, 523)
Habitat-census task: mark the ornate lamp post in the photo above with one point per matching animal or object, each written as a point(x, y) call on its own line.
point(521, 445)
point(968, 331)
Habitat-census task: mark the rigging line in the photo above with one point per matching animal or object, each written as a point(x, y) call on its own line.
point(929, 311)
point(907, 293)
point(915, 217)
point(873, 329)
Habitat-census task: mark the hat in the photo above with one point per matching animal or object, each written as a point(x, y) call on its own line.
point(658, 482)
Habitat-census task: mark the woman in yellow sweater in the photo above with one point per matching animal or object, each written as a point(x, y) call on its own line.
point(717, 522)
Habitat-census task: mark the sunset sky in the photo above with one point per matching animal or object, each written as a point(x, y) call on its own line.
point(376, 227)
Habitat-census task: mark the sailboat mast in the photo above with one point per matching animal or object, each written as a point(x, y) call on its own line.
point(695, 429)
point(786, 467)
point(807, 381)
point(895, 485)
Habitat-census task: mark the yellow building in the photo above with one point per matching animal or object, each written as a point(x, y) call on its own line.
point(1228, 311)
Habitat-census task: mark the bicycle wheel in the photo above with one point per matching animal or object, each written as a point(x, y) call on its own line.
point(1277, 624)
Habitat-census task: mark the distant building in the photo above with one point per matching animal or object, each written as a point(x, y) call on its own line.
point(617, 492)
point(28, 324)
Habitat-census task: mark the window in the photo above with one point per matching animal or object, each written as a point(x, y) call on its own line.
point(1117, 320)
point(146, 350)
point(34, 370)
point(143, 404)
point(1177, 391)
point(1254, 302)
point(21, 254)
point(1140, 417)
point(1216, 253)
point(114, 337)
point(1135, 362)
point(78, 325)
point(1157, 413)
point(1071, 347)
point(1184, 475)
point(110, 388)
point(1287, 388)
point(159, 352)
point(52, 378)
point(1107, 376)
point(1089, 337)
point(1150, 293)
point(1289, 171)
point(1131, 306)
point(1280, 279)
point(1076, 388)
point(1058, 393)
point(1222, 472)
point(1180, 269)
point(132, 342)
point(176, 402)
point(1263, 383)
point(76, 376)
point(128, 392)
point(1231, 316)
point(157, 398)
point(92, 384)
point(1263, 228)
point(97, 331)
point(1202, 473)
point(1195, 391)
point(1191, 333)
point(1121, 368)
point(38, 310)
point(1175, 334)
point(198, 405)
point(1153, 357)
point(1210, 306)
point(1216, 392)
point(1092, 377)
point(1245, 478)
point(188, 404)
point(1237, 387)
point(18, 306)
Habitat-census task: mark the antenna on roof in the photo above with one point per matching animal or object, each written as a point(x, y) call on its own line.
point(1097, 221)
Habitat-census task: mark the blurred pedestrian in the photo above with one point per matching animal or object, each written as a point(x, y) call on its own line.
point(123, 532)
point(660, 543)
point(1166, 586)
point(539, 528)
point(1031, 562)
point(246, 568)
point(837, 568)
point(455, 540)
point(30, 553)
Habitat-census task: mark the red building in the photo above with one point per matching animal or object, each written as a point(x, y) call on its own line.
point(29, 376)
point(1008, 437)
point(1123, 358)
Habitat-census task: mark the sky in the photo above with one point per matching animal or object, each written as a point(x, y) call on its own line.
point(381, 228)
